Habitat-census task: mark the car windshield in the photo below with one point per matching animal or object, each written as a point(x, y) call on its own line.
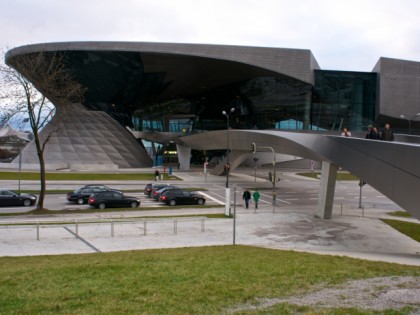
point(7, 193)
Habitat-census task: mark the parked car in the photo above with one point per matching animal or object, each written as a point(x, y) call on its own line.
point(82, 194)
point(112, 199)
point(148, 190)
point(156, 193)
point(178, 197)
point(10, 198)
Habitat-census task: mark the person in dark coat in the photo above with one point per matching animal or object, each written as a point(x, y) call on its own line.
point(246, 196)
point(387, 134)
point(373, 134)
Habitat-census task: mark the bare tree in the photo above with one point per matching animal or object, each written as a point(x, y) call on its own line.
point(30, 83)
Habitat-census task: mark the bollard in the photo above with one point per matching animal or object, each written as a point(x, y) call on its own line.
point(37, 230)
point(76, 228)
point(202, 225)
point(112, 228)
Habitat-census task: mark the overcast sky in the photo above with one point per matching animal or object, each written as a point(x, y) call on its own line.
point(342, 34)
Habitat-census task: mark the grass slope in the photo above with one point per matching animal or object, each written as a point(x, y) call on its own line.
point(205, 280)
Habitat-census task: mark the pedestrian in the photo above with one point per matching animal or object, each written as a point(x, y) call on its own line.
point(246, 196)
point(373, 133)
point(387, 133)
point(346, 133)
point(256, 196)
point(369, 132)
point(156, 175)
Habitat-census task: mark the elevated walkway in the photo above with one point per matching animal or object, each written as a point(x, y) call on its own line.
point(390, 167)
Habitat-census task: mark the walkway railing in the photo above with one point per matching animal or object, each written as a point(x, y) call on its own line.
point(77, 224)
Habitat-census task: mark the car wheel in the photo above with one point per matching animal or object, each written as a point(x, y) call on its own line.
point(200, 201)
point(133, 204)
point(27, 202)
point(80, 201)
point(101, 205)
point(172, 202)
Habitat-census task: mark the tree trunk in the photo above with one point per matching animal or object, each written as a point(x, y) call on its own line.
point(40, 204)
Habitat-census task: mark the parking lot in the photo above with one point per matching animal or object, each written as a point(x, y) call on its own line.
point(291, 190)
point(291, 224)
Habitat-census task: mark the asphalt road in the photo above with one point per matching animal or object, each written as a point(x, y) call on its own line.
point(290, 190)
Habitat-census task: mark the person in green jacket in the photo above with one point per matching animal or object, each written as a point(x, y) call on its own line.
point(256, 196)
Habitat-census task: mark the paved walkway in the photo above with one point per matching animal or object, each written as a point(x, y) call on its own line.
point(288, 228)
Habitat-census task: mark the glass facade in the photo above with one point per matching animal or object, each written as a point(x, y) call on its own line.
point(262, 103)
point(175, 93)
point(343, 99)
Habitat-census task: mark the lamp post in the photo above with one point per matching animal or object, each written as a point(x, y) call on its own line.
point(273, 177)
point(227, 145)
point(409, 121)
point(255, 169)
point(227, 167)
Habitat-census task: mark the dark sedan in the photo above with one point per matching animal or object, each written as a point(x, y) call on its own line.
point(10, 198)
point(157, 193)
point(182, 197)
point(82, 194)
point(113, 199)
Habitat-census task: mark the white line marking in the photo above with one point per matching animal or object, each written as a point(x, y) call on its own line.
point(214, 199)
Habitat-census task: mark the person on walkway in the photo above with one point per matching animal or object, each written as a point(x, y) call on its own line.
point(346, 133)
point(373, 133)
point(256, 196)
point(156, 175)
point(387, 134)
point(246, 196)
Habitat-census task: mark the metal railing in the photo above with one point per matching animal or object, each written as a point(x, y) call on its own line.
point(76, 224)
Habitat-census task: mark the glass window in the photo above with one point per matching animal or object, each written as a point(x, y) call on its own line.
point(343, 99)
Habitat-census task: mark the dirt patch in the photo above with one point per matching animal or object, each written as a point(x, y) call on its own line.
point(371, 294)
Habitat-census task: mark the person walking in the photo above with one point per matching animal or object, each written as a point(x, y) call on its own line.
point(387, 134)
point(246, 196)
point(256, 196)
point(156, 175)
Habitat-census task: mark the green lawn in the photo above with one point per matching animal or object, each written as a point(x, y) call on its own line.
point(410, 229)
point(83, 176)
point(204, 280)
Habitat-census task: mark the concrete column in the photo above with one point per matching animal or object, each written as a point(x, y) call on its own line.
point(326, 191)
point(184, 156)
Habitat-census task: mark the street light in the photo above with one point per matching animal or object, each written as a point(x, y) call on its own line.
point(227, 144)
point(409, 121)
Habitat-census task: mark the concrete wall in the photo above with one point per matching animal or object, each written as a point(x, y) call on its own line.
point(399, 87)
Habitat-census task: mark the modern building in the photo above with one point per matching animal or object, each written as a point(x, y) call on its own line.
point(204, 99)
point(160, 91)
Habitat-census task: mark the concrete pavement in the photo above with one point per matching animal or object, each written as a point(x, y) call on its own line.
point(290, 227)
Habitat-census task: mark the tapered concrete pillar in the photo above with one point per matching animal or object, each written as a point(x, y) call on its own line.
point(326, 191)
point(184, 157)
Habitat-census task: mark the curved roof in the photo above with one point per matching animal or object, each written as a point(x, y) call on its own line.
point(296, 63)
